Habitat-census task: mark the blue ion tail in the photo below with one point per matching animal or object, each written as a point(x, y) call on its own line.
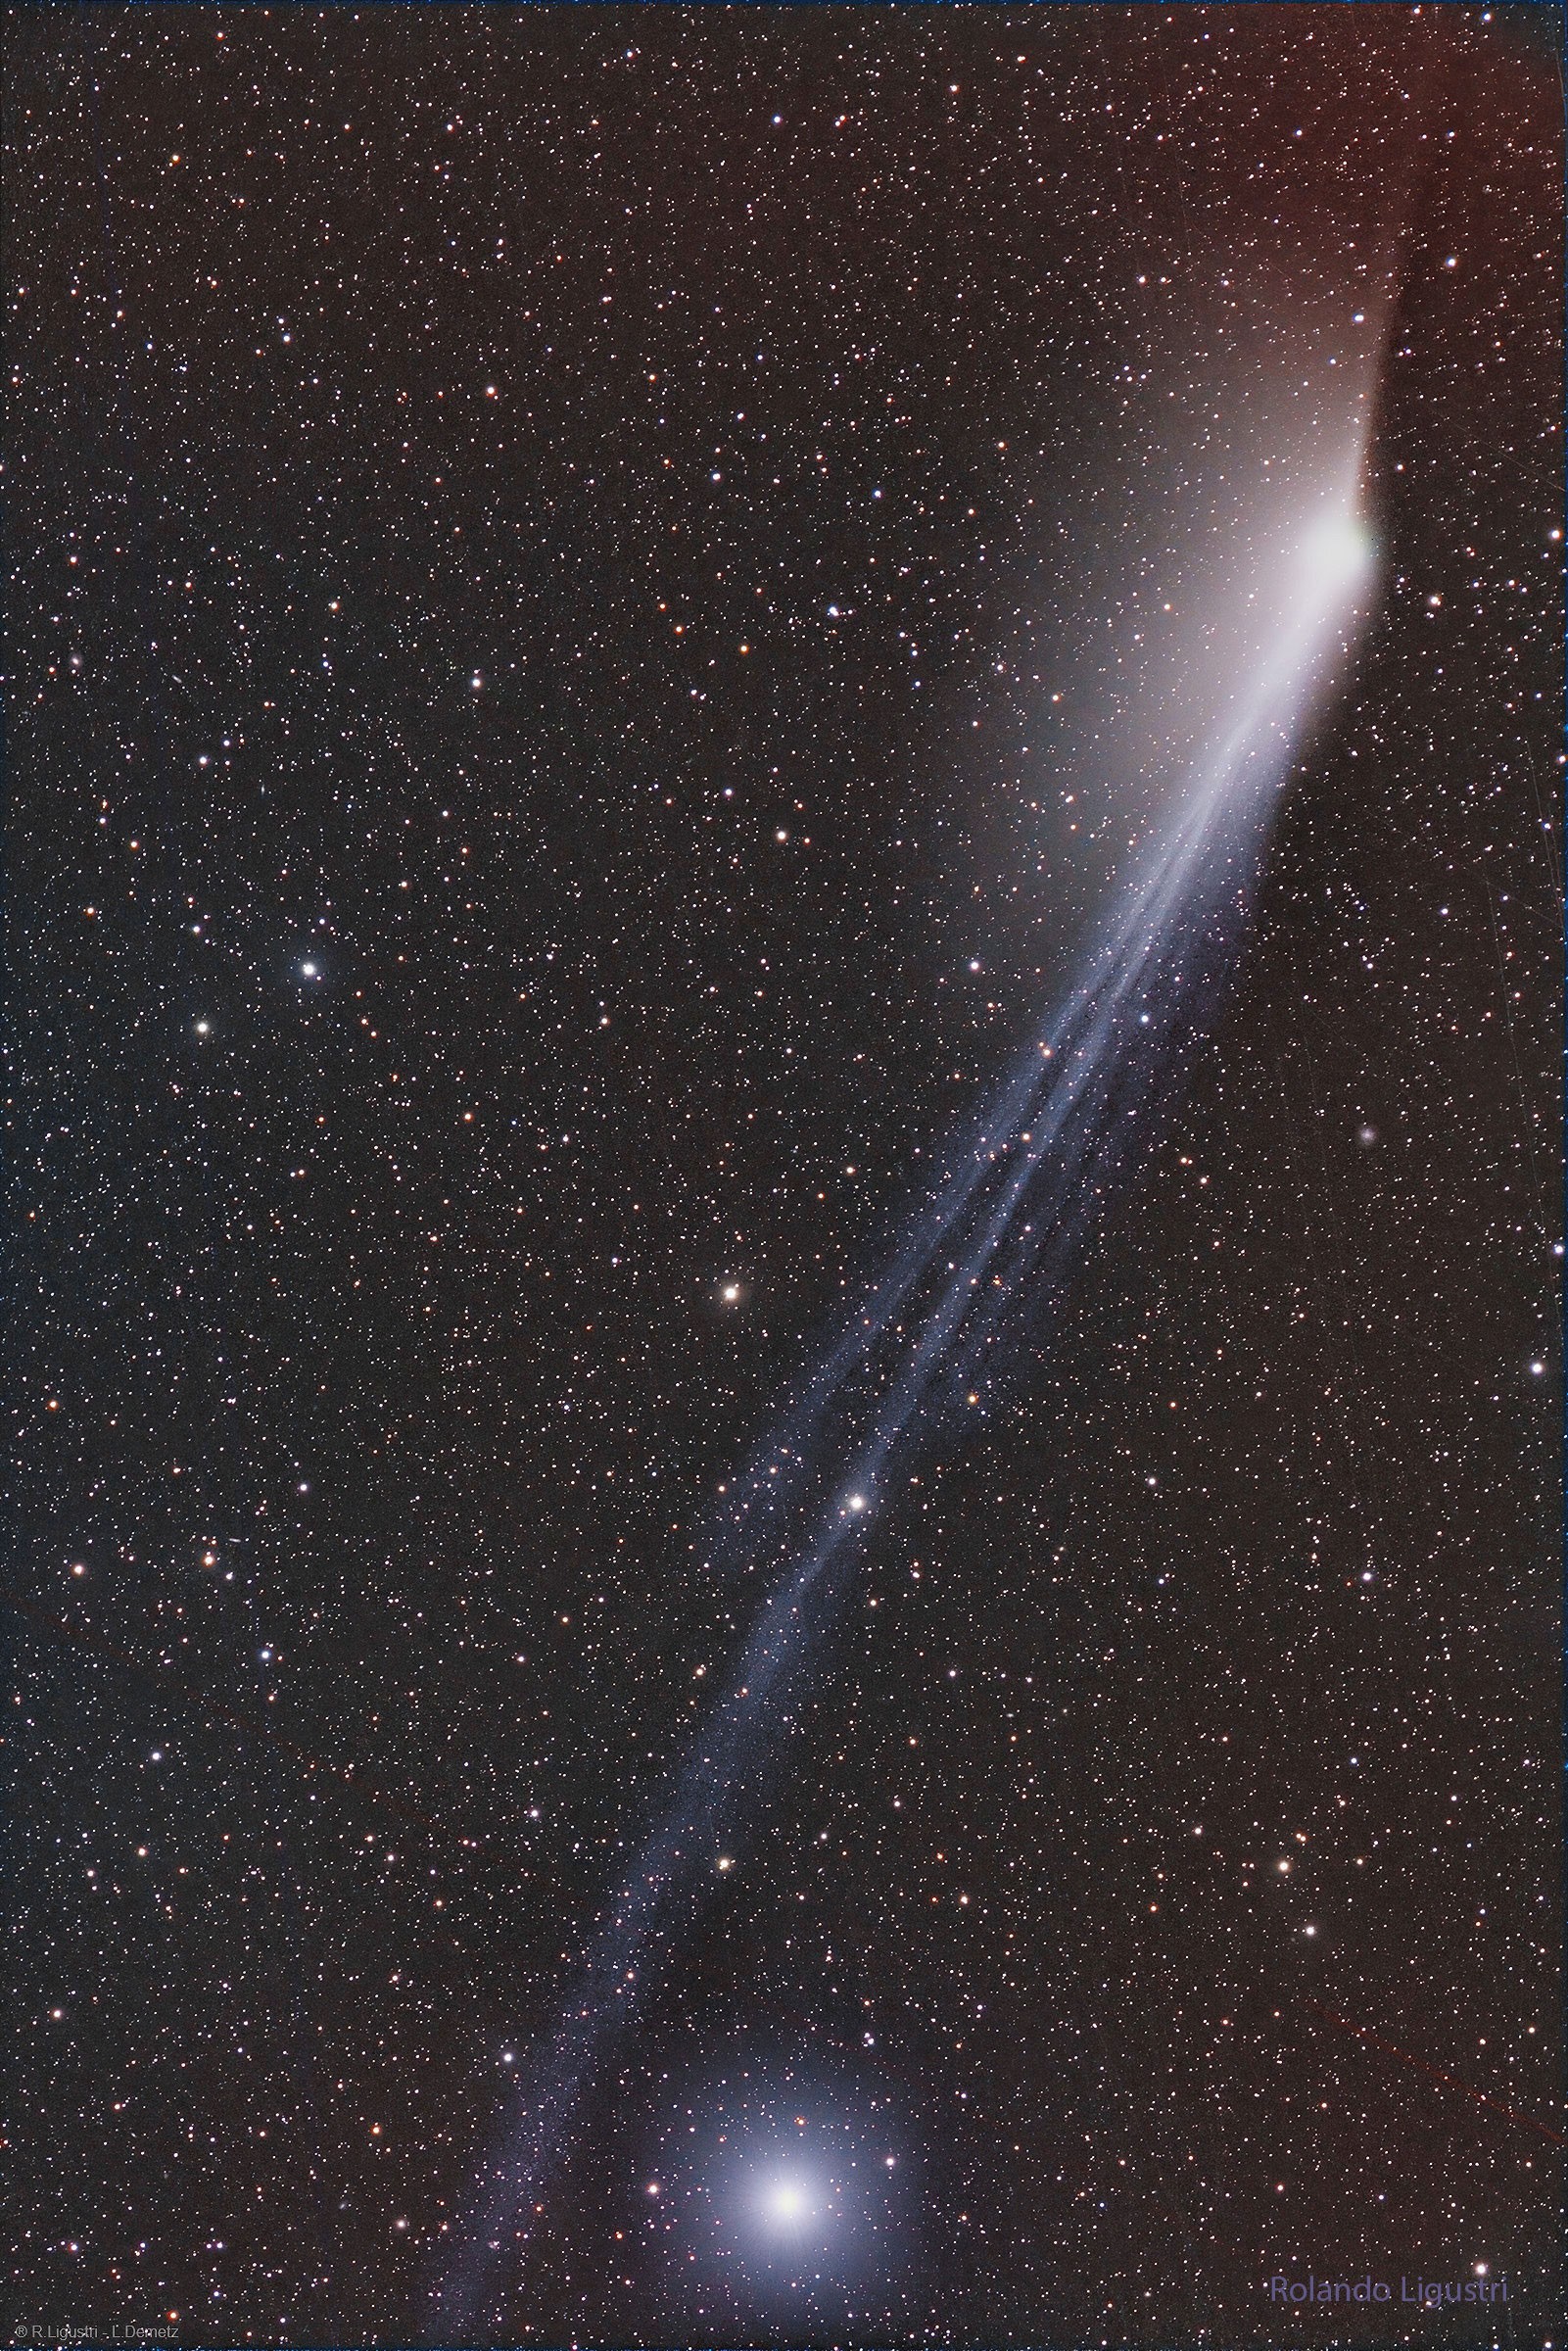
point(1063, 1139)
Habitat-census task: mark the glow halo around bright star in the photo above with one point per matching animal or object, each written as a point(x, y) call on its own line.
point(788, 2208)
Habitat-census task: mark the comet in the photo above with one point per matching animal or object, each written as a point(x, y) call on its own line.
point(986, 1251)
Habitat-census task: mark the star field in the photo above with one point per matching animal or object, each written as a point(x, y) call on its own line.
point(602, 599)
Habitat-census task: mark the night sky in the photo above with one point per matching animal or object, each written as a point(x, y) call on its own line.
point(603, 599)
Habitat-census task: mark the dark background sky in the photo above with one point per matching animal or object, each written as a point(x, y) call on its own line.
point(572, 524)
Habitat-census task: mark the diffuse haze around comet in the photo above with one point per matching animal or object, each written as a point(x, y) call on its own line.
point(1064, 1136)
